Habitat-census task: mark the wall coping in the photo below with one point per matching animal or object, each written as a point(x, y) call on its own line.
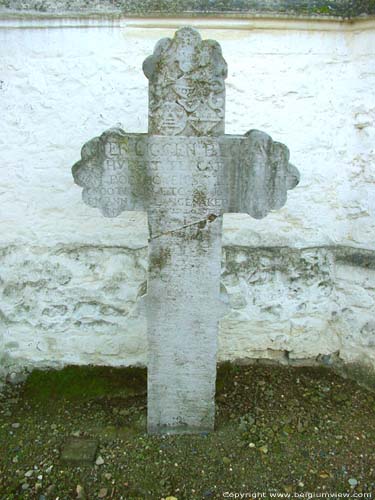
point(222, 23)
point(347, 10)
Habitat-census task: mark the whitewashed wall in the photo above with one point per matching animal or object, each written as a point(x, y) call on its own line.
point(300, 283)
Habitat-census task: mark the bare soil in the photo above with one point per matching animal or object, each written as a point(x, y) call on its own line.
point(300, 432)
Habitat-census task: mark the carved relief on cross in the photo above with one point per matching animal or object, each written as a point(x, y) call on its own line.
point(185, 173)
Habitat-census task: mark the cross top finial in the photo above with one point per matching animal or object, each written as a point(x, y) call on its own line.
point(186, 86)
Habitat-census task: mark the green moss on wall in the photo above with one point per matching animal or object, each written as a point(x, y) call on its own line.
point(348, 9)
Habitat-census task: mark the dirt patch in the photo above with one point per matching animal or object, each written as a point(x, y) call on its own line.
point(278, 429)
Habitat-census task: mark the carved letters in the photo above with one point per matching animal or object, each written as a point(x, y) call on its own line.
point(120, 171)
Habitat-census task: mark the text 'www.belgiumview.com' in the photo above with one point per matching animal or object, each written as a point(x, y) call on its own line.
point(257, 495)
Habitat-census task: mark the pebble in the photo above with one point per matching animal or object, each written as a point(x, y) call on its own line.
point(108, 475)
point(50, 488)
point(102, 492)
point(353, 482)
point(264, 449)
point(80, 492)
point(124, 412)
point(288, 488)
point(16, 425)
point(99, 460)
point(324, 475)
point(25, 486)
point(29, 473)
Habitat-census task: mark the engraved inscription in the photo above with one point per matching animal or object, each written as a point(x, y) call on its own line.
point(186, 184)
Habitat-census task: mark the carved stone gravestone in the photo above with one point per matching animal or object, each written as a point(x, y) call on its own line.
point(185, 173)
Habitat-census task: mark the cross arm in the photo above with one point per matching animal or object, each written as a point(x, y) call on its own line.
point(257, 173)
point(113, 172)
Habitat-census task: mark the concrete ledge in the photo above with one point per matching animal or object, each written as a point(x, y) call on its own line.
point(343, 9)
point(240, 23)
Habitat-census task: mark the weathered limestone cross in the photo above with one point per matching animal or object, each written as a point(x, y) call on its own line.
point(185, 173)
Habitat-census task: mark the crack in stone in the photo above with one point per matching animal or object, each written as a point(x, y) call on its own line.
point(209, 218)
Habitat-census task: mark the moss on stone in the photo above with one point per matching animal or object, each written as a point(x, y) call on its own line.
point(161, 259)
point(333, 8)
point(83, 383)
point(363, 374)
point(199, 198)
point(356, 257)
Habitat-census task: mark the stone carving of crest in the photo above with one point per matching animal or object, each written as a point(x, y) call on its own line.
point(186, 86)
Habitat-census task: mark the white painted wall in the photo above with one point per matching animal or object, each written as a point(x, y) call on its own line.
point(70, 278)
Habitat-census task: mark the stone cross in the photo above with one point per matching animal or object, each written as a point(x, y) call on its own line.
point(185, 173)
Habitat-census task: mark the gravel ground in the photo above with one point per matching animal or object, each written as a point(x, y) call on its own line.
point(295, 431)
